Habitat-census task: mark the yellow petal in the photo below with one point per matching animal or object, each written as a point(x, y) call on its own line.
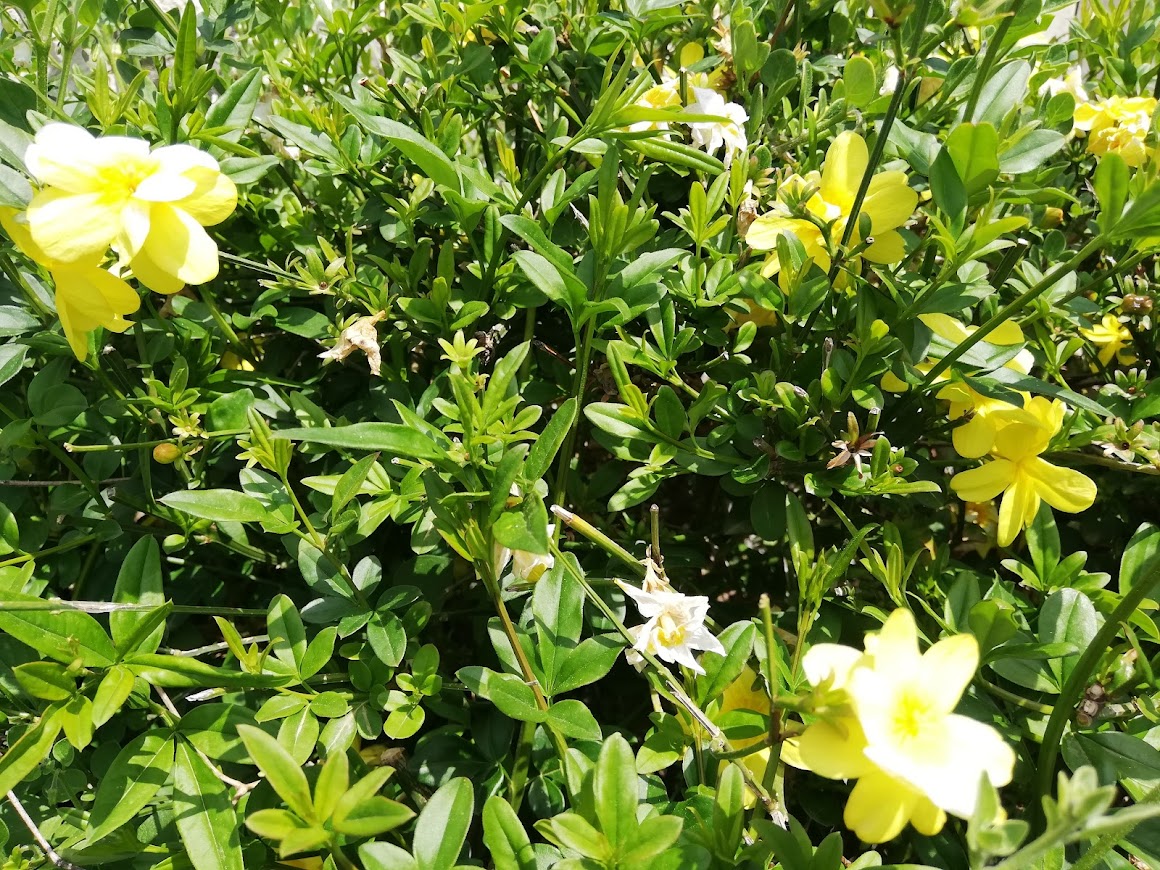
point(1017, 510)
point(16, 225)
point(69, 158)
point(178, 246)
point(830, 662)
point(691, 54)
point(879, 808)
point(842, 172)
point(889, 202)
point(893, 384)
point(895, 647)
point(976, 437)
point(766, 229)
point(1007, 332)
point(1065, 489)
point(985, 482)
point(926, 817)
point(96, 294)
point(68, 227)
point(888, 247)
point(834, 749)
point(214, 198)
point(947, 668)
point(945, 327)
point(152, 276)
point(989, 753)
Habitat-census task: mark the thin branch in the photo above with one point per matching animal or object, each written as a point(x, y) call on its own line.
point(49, 852)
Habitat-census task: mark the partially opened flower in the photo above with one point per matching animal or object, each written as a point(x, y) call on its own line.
point(1112, 337)
point(729, 132)
point(87, 296)
point(151, 206)
point(829, 200)
point(1022, 476)
point(893, 728)
point(675, 626)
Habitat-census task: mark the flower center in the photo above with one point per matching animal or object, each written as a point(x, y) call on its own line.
point(122, 179)
point(912, 716)
point(669, 631)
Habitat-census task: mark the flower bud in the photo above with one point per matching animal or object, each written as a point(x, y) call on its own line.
point(166, 453)
point(1052, 217)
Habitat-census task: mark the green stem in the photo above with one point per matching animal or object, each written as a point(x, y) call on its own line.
point(1074, 687)
point(989, 58)
point(112, 607)
point(598, 537)
point(236, 344)
point(59, 548)
point(523, 761)
point(1095, 853)
point(1005, 313)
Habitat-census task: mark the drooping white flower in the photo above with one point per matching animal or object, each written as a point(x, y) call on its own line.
point(712, 135)
point(675, 625)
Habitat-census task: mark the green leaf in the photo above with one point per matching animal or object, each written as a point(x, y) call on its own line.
point(219, 505)
point(384, 856)
point(946, 186)
point(544, 449)
point(524, 529)
point(722, 670)
point(185, 53)
point(1117, 757)
point(558, 612)
point(1140, 556)
point(442, 826)
point(508, 692)
point(286, 632)
point(350, 484)
point(138, 772)
point(423, 153)
point(1005, 90)
point(505, 837)
point(283, 772)
point(64, 634)
point(204, 815)
point(974, 148)
point(235, 107)
point(112, 693)
point(48, 681)
point(1111, 185)
point(587, 663)
point(861, 81)
point(614, 791)
point(182, 672)
point(393, 439)
point(546, 278)
point(1068, 616)
point(138, 582)
point(1031, 151)
point(656, 834)
point(12, 361)
point(573, 719)
point(387, 637)
point(25, 755)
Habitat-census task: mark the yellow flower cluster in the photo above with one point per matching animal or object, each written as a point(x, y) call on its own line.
point(890, 724)
point(149, 206)
point(1117, 125)
point(827, 199)
point(1018, 472)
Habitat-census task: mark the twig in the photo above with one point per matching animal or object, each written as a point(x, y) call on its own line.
point(49, 852)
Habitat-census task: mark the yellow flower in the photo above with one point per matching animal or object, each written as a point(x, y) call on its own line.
point(151, 206)
point(1022, 476)
point(662, 96)
point(897, 734)
point(1112, 337)
point(87, 296)
point(984, 415)
point(1117, 125)
point(889, 204)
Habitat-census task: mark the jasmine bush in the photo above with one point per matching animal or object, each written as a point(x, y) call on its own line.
point(576, 435)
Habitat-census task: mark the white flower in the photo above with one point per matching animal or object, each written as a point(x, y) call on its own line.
point(711, 135)
point(528, 567)
point(361, 335)
point(675, 627)
point(1071, 83)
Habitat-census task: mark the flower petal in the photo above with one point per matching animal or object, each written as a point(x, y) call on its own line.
point(69, 227)
point(213, 200)
point(1065, 489)
point(1017, 510)
point(153, 276)
point(178, 246)
point(926, 817)
point(976, 437)
point(879, 808)
point(985, 482)
point(888, 247)
point(829, 661)
point(889, 202)
point(895, 647)
point(69, 158)
point(845, 164)
point(947, 668)
point(834, 749)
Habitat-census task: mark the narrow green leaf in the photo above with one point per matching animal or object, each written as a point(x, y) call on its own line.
point(505, 837)
point(615, 792)
point(220, 505)
point(545, 448)
point(64, 635)
point(138, 772)
point(393, 439)
point(204, 815)
point(283, 772)
point(442, 826)
point(25, 755)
